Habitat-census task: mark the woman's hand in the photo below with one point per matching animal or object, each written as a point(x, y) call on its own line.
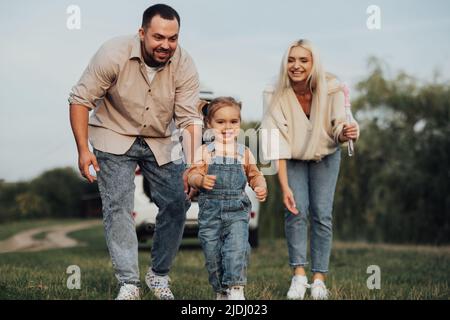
point(261, 193)
point(349, 131)
point(289, 201)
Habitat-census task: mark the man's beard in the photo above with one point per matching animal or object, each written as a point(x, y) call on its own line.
point(152, 62)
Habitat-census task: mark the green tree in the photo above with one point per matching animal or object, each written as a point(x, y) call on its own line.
point(55, 193)
point(396, 188)
point(30, 205)
point(61, 189)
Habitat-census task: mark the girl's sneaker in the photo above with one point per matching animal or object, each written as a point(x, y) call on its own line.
point(128, 292)
point(297, 291)
point(221, 296)
point(319, 291)
point(236, 293)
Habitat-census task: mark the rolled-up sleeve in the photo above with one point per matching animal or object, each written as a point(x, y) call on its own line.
point(255, 177)
point(187, 95)
point(200, 166)
point(95, 80)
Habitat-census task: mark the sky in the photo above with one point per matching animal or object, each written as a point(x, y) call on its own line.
point(237, 46)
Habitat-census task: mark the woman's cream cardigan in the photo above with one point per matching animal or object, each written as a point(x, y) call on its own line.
point(286, 131)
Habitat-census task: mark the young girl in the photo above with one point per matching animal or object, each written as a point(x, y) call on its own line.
point(220, 173)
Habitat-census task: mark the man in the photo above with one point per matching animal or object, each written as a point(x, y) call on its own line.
point(141, 89)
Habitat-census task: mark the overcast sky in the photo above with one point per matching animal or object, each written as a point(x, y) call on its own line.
point(237, 47)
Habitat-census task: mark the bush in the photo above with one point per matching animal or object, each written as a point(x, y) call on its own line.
point(55, 193)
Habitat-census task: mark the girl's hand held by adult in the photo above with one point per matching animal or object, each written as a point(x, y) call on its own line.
point(208, 182)
point(261, 193)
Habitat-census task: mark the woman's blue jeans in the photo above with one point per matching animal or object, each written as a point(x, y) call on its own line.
point(313, 185)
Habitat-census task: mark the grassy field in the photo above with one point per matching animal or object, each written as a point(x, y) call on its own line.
point(406, 272)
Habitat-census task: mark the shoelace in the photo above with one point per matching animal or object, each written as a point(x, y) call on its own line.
point(306, 285)
point(160, 282)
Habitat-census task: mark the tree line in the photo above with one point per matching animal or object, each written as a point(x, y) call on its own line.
point(396, 187)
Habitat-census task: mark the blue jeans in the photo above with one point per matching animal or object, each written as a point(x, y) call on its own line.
point(116, 185)
point(313, 185)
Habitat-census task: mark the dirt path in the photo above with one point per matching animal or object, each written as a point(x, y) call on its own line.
point(393, 247)
point(56, 237)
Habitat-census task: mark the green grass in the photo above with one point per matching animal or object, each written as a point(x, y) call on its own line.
point(405, 274)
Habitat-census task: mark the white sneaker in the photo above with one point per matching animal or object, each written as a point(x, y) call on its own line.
point(128, 292)
point(236, 293)
point(159, 285)
point(221, 296)
point(319, 290)
point(297, 291)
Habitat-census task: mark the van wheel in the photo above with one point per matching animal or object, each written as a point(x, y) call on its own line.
point(253, 238)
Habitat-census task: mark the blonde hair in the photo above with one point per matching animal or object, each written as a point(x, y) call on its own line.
point(317, 82)
point(210, 109)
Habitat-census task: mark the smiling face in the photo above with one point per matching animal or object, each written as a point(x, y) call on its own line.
point(226, 122)
point(299, 64)
point(159, 40)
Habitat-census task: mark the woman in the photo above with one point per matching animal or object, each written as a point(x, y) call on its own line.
point(306, 123)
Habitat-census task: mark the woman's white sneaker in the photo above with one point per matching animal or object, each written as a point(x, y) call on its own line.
point(319, 291)
point(297, 291)
point(128, 292)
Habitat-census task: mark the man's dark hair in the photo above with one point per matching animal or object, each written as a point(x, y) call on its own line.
point(163, 10)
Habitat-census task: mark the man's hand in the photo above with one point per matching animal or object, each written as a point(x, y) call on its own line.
point(86, 159)
point(191, 192)
point(79, 121)
point(261, 193)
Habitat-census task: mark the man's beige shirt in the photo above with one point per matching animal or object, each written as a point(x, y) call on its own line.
point(126, 104)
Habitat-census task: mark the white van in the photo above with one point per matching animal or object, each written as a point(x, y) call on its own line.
point(145, 210)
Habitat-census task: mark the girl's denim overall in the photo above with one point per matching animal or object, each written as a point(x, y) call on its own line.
point(223, 221)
